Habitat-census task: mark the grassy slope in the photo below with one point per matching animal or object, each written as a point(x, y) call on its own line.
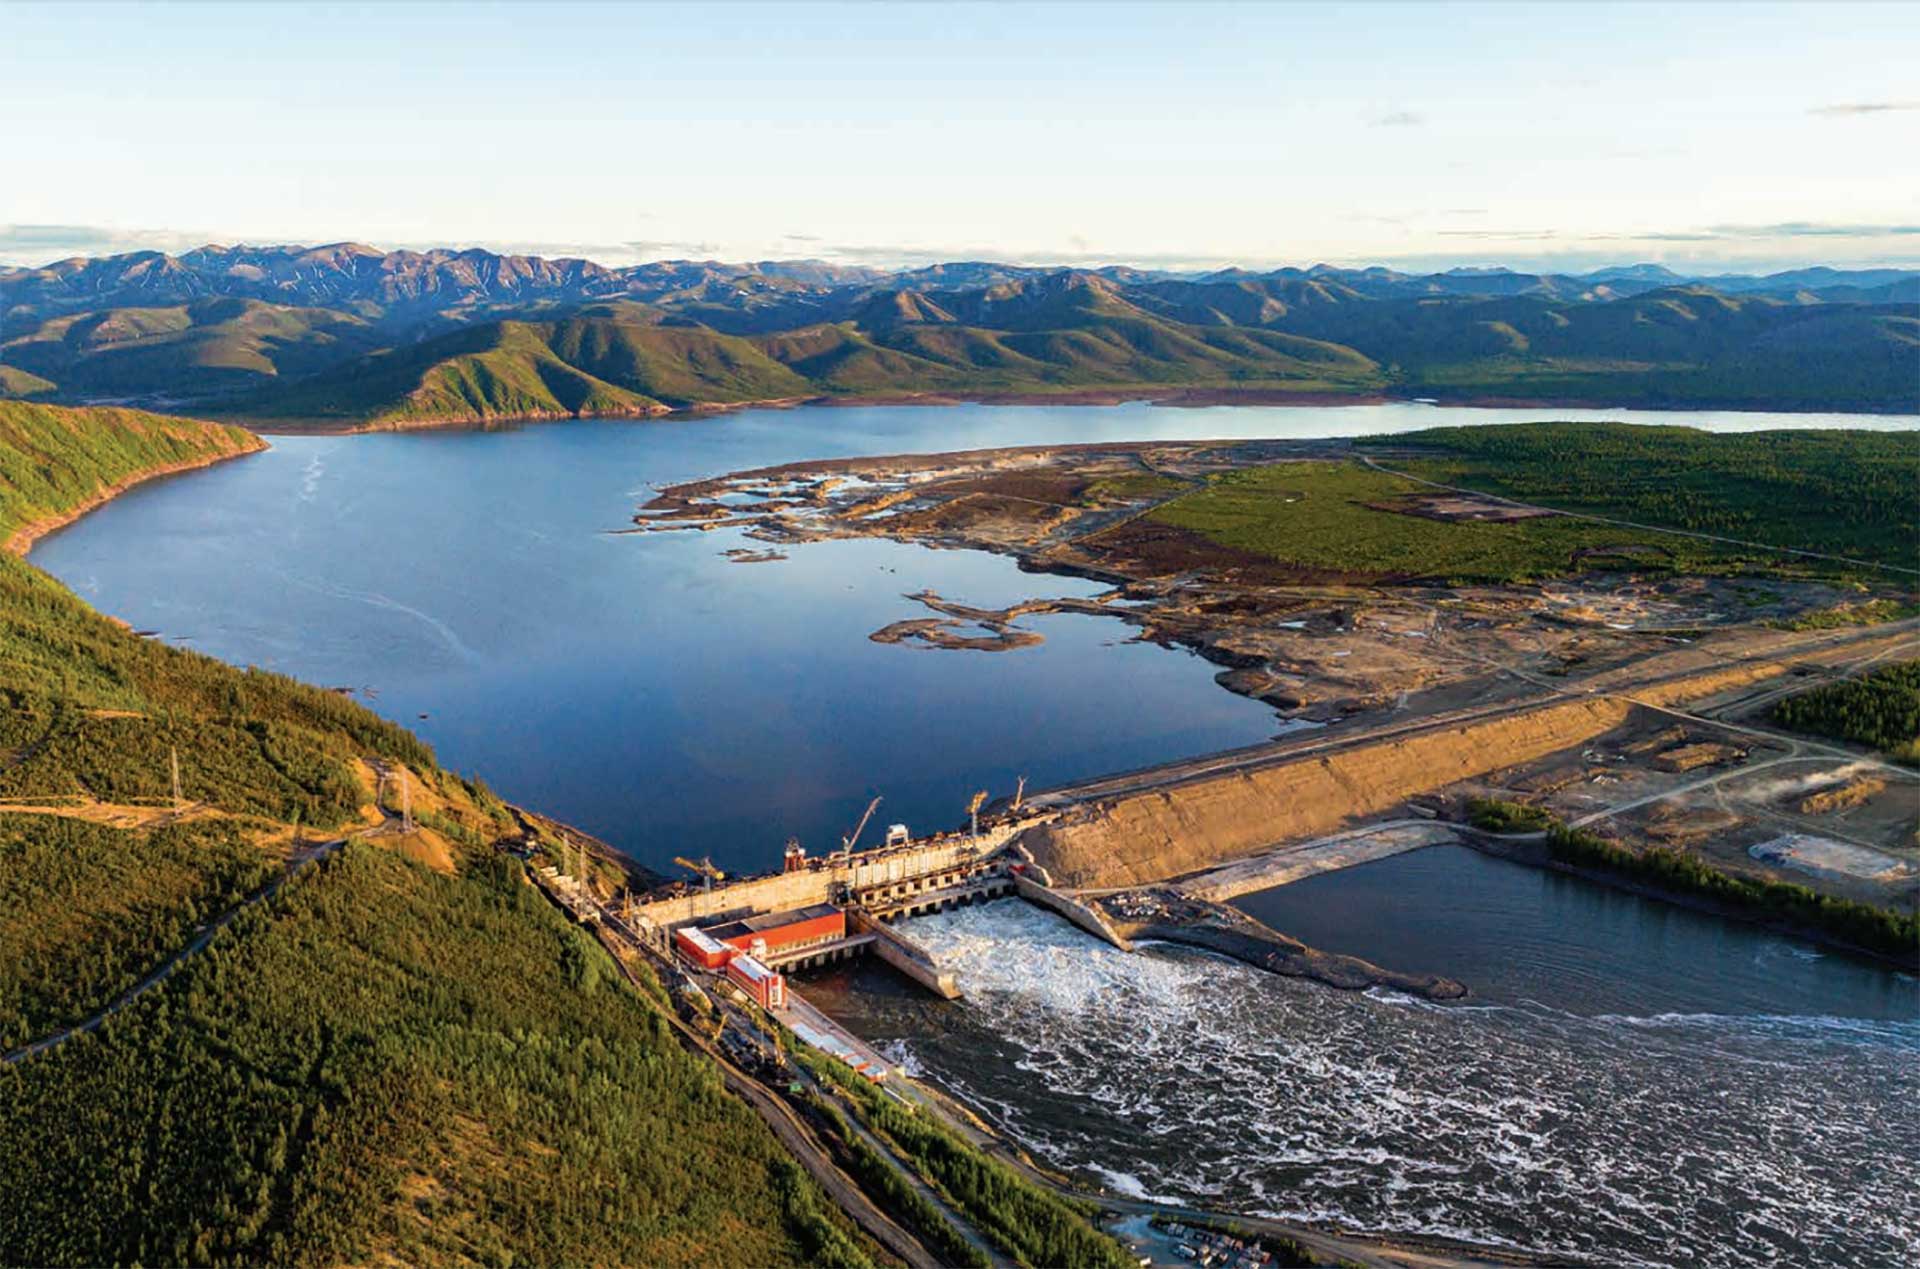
point(384, 1059)
point(1846, 493)
point(497, 357)
point(15, 382)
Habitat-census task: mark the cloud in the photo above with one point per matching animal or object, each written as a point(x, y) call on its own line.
point(800, 237)
point(38, 244)
point(672, 250)
point(1503, 235)
point(1711, 233)
point(1847, 109)
point(1399, 119)
point(1813, 229)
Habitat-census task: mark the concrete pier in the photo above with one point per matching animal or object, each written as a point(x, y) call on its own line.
point(905, 955)
point(1072, 909)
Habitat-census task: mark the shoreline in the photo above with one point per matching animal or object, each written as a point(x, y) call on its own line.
point(1260, 946)
point(22, 540)
point(1531, 851)
point(1170, 396)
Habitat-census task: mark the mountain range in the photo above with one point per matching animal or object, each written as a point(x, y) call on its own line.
point(348, 335)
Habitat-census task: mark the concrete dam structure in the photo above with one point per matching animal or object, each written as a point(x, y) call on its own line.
point(825, 909)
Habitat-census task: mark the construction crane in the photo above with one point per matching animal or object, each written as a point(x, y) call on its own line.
point(704, 867)
point(973, 810)
point(847, 843)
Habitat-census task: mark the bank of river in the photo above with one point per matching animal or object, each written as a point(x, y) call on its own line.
point(1630, 1082)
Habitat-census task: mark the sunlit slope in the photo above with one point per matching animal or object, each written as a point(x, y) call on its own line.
point(593, 365)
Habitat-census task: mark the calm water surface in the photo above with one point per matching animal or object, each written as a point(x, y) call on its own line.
point(1628, 1083)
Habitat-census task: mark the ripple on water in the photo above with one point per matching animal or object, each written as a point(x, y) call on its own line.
point(1673, 1138)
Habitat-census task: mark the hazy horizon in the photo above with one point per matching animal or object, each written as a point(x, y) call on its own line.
point(1478, 265)
point(1419, 137)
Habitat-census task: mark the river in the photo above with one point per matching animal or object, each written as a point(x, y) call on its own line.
point(1653, 1087)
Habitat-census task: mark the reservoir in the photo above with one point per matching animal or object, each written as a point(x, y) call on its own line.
point(468, 584)
point(1636, 1084)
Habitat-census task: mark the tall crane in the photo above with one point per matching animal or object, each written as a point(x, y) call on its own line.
point(973, 810)
point(847, 843)
point(704, 867)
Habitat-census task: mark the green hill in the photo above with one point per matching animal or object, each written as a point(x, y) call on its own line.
point(15, 382)
point(187, 351)
point(616, 365)
point(579, 367)
point(389, 1060)
point(1676, 347)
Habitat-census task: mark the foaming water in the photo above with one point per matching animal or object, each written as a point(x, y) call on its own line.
point(1670, 1138)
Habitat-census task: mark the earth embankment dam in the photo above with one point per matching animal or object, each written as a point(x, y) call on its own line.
point(1155, 825)
point(1145, 837)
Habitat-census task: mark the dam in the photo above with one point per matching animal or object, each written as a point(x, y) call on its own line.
point(824, 909)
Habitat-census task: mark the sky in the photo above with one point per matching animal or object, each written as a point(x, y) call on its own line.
point(1559, 135)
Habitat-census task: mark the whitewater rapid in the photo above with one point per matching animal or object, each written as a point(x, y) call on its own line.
point(1667, 1139)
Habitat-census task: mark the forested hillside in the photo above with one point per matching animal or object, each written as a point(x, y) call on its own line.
point(404, 1054)
point(1851, 493)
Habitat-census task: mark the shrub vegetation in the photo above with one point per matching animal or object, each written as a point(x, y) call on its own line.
point(1327, 518)
point(1497, 816)
point(1849, 493)
point(1861, 924)
point(1031, 1224)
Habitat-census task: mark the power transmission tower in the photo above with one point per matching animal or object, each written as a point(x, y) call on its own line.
point(406, 803)
point(173, 759)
